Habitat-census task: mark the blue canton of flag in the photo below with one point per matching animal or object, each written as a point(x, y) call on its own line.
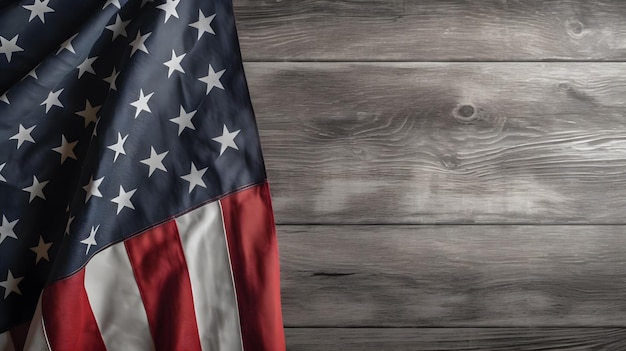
point(134, 207)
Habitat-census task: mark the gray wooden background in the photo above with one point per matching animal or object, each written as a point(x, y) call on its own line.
point(446, 175)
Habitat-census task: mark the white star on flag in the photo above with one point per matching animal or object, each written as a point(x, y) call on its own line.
point(142, 103)
point(33, 72)
point(11, 285)
point(6, 229)
point(227, 139)
point(66, 149)
point(91, 239)
point(38, 9)
point(155, 161)
point(212, 79)
point(118, 28)
point(86, 66)
point(90, 113)
point(8, 47)
point(184, 120)
point(52, 100)
point(92, 188)
point(123, 199)
point(170, 9)
point(67, 45)
point(2, 179)
point(23, 135)
point(5, 99)
point(174, 64)
point(111, 79)
point(70, 219)
point(203, 24)
point(41, 250)
point(118, 147)
point(195, 177)
point(139, 43)
point(95, 129)
point(36, 190)
point(115, 3)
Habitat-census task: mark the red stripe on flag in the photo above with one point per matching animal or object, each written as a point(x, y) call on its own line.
point(249, 224)
point(160, 269)
point(68, 319)
point(18, 335)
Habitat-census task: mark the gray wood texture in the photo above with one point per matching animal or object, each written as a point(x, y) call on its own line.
point(447, 174)
point(466, 339)
point(454, 276)
point(478, 339)
point(443, 142)
point(449, 30)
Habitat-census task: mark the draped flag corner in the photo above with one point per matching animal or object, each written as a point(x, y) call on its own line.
point(135, 212)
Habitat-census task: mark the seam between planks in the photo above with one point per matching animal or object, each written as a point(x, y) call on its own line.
point(453, 327)
point(427, 61)
point(426, 224)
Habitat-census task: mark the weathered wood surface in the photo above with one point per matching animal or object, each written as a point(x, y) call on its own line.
point(368, 141)
point(450, 30)
point(453, 339)
point(449, 275)
point(443, 142)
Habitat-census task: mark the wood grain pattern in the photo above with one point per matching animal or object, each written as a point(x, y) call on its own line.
point(451, 276)
point(454, 339)
point(443, 142)
point(450, 30)
point(368, 141)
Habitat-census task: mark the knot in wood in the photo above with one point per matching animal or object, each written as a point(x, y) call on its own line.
point(449, 161)
point(360, 153)
point(575, 28)
point(465, 113)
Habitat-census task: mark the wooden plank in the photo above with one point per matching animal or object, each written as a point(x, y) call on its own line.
point(434, 30)
point(455, 339)
point(443, 142)
point(453, 276)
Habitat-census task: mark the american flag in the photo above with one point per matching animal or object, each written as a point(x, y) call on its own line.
point(134, 207)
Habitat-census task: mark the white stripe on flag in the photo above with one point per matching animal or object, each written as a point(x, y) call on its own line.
point(6, 342)
point(116, 302)
point(204, 244)
point(36, 339)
